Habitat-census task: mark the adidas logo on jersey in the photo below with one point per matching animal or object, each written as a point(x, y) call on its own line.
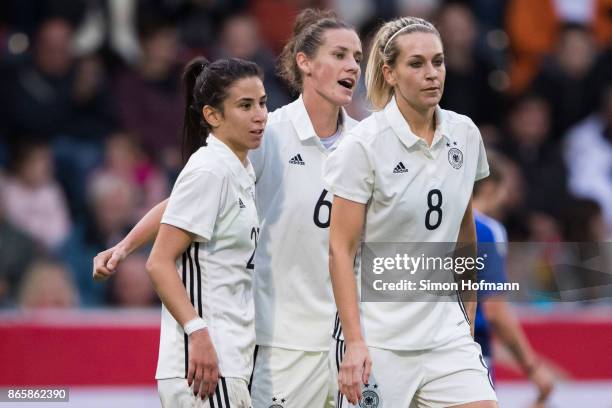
point(240, 203)
point(400, 168)
point(297, 159)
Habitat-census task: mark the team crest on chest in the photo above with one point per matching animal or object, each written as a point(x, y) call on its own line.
point(369, 398)
point(455, 156)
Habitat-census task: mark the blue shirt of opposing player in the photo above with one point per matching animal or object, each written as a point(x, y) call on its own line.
point(492, 241)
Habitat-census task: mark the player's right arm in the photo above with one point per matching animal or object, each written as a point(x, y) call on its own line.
point(506, 326)
point(105, 263)
point(347, 220)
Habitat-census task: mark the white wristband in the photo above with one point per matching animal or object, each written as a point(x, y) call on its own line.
point(194, 324)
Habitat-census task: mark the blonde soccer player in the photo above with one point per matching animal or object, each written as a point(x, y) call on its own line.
point(293, 299)
point(199, 264)
point(405, 174)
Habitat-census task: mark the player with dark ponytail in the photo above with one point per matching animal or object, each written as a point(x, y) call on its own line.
point(199, 264)
point(208, 83)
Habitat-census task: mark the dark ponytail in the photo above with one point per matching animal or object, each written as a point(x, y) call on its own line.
point(207, 83)
point(195, 128)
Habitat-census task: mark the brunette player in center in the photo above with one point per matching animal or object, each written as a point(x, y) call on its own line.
point(294, 308)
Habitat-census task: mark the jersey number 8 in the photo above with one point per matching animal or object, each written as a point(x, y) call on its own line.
point(433, 208)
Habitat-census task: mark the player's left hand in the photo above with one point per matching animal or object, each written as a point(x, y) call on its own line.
point(203, 368)
point(354, 370)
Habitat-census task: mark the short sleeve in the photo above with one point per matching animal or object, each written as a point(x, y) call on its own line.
point(348, 172)
point(195, 202)
point(482, 169)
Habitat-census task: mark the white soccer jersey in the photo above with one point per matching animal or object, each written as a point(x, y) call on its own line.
point(214, 198)
point(293, 296)
point(414, 193)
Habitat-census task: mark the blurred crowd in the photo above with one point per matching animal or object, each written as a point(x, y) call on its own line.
point(91, 114)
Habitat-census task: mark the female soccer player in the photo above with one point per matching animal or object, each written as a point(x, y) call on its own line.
point(405, 174)
point(293, 300)
point(199, 264)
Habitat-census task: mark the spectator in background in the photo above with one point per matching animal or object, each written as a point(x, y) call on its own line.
point(149, 96)
point(131, 286)
point(47, 284)
point(17, 251)
point(419, 8)
point(282, 13)
point(585, 268)
point(53, 94)
point(583, 221)
point(60, 99)
point(468, 87)
point(588, 157)
point(33, 200)
point(527, 134)
point(508, 198)
point(79, 151)
point(26, 16)
point(490, 13)
point(107, 27)
point(602, 70)
point(533, 28)
point(200, 21)
point(240, 39)
point(125, 159)
point(566, 79)
point(111, 204)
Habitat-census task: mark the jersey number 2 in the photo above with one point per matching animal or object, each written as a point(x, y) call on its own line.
point(254, 236)
point(317, 211)
point(433, 208)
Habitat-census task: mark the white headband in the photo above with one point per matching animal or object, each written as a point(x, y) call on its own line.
point(404, 28)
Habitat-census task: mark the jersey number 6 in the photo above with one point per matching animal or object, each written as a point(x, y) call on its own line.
point(317, 211)
point(433, 208)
